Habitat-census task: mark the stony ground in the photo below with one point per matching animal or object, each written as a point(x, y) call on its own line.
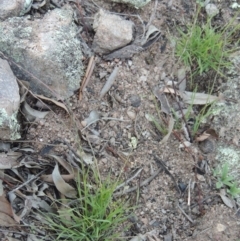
point(165, 206)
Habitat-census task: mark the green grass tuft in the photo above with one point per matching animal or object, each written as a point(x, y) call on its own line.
point(203, 48)
point(95, 216)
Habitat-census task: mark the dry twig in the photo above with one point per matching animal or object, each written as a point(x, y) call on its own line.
point(88, 74)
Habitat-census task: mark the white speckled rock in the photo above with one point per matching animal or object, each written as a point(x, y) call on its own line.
point(48, 49)
point(9, 103)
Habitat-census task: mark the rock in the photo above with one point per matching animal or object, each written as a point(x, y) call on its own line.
point(135, 3)
point(211, 10)
point(14, 8)
point(207, 146)
point(220, 227)
point(9, 103)
point(112, 32)
point(48, 51)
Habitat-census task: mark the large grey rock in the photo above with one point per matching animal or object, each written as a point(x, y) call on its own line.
point(47, 50)
point(227, 121)
point(9, 103)
point(13, 8)
point(134, 3)
point(112, 32)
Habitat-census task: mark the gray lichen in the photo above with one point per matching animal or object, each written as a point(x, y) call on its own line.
point(9, 126)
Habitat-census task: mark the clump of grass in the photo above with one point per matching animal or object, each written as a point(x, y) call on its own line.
point(94, 216)
point(226, 180)
point(203, 47)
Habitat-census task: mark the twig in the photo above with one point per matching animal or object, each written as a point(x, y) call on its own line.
point(185, 214)
point(28, 181)
point(103, 118)
point(128, 180)
point(183, 116)
point(160, 163)
point(109, 82)
point(145, 182)
point(189, 193)
point(152, 15)
point(88, 74)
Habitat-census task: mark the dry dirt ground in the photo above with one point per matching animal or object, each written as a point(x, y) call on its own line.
point(163, 202)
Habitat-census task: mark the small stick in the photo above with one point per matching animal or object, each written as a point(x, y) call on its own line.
point(185, 214)
point(128, 180)
point(91, 65)
point(152, 15)
point(145, 182)
point(109, 82)
point(25, 183)
point(189, 193)
point(103, 118)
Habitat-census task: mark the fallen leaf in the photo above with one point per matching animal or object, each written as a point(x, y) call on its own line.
point(54, 101)
point(61, 185)
point(9, 160)
point(170, 128)
point(198, 98)
point(227, 201)
point(66, 165)
point(159, 93)
point(93, 117)
point(5, 206)
point(32, 114)
point(203, 136)
point(6, 220)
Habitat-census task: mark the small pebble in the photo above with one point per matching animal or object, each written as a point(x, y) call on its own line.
point(211, 10)
point(207, 146)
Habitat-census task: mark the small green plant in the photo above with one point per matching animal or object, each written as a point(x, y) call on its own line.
point(94, 216)
point(226, 180)
point(203, 47)
point(205, 112)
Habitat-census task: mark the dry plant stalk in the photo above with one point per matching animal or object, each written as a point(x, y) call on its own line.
point(88, 74)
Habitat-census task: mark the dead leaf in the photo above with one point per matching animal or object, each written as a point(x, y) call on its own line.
point(53, 101)
point(198, 98)
point(170, 129)
point(203, 136)
point(32, 114)
point(66, 165)
point(6, 220)
point(159, 93)
point(9, 160)
point(212, 132)
point(61, 185)
point(5, 206)
point(125, 52)
point(92, 118)
point(227, 201)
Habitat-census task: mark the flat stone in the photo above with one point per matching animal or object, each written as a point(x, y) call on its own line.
point(9, 103)
point(112, 32)
point(47, 50)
